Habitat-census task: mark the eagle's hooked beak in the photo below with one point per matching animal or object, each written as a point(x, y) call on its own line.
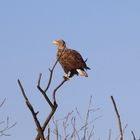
point(55, 42)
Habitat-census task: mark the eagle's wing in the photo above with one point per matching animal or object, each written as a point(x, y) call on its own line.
point(72, 60)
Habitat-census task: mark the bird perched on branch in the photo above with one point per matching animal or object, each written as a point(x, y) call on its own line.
point(70, 60)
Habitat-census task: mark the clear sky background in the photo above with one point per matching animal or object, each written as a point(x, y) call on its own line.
point(107, 32)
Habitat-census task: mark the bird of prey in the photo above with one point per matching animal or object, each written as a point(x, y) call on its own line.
point(70, 60)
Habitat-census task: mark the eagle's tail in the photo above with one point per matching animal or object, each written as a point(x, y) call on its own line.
point(82, 72)
point(86, 67)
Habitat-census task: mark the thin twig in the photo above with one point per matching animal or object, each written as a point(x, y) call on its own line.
point(54, 92)
point(43, 92)
point(91, 133)
point(51, 71)
point(56, 131)
point(87, 117)
point(134, 138)
point(65, 128)
point(77, 111)
point(48, 137)
point(51, 74)
point(118, 118)
point(74, 128)
point(6, 128)
point(66, 117)
point(2, 102)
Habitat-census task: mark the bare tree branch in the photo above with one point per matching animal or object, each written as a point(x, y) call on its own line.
point(39, 129)
point(47, 121)
point(91, 133)
point(118, 118)
point(77, 111)
point(123, 130)
point(73, 128)
point(134, 138)
point(48, 137)
point(87, 117)
point(6, 124)
point(52, 70)
point(51, 74)
point(53, 104)
point(3, 132)
point(75, 132)
point(54, 92)
point(56, 130)
point(2, 102)
point(44, 92)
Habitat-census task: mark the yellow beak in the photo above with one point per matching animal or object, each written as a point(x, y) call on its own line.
point(55, 42)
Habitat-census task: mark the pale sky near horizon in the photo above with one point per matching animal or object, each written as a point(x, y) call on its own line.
point(105, 32)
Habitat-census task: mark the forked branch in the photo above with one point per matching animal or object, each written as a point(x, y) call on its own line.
point(44, 92)
point(53, 104)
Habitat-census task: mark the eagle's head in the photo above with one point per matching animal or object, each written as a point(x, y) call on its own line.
point(59, 43)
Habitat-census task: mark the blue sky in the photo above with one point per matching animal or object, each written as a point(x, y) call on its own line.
point(105, 32)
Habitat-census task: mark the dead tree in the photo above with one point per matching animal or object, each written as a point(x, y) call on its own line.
point(53, 104)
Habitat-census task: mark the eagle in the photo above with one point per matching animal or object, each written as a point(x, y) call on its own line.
point(70, 60)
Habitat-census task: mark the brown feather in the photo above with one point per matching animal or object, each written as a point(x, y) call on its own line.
point(70, 59)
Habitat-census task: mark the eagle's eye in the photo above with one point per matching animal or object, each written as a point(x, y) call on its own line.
point(61, 42)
